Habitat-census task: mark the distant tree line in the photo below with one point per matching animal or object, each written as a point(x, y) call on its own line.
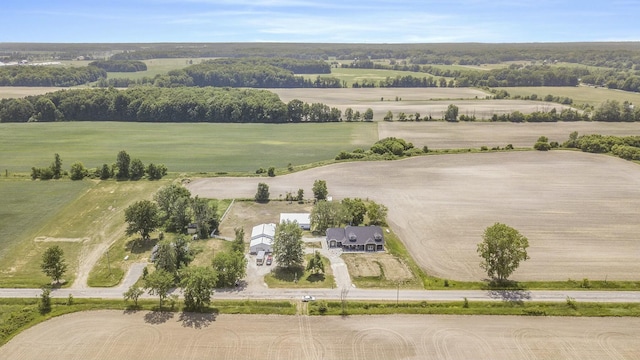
point(119, 65)
point(49, 75)
point(155, 104)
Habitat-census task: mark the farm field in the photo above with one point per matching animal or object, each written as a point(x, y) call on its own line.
point(158, 67)
point(578, 210)
point(580, 94)
point(350, 76)
point(181, 147)
point(23, 91)
point(426, 101)
point(461, 135)
point(117, 335)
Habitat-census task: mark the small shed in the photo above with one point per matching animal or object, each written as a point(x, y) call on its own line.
point(303, 219)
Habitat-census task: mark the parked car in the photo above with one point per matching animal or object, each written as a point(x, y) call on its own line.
point(308, 298)
point(269, 259)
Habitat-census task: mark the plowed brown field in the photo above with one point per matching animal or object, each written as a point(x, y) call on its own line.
point(578, 210)
point(114, 335)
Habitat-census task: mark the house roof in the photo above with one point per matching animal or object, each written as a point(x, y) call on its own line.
point(268, 230)
point(300, 218)
point(262, 240)
point(356, 235)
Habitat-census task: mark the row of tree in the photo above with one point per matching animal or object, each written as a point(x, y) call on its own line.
point(123, 169)
point(153, 104)
point(49, 75)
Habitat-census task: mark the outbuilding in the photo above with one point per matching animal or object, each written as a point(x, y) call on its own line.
point(303, 219)
point(262, 238)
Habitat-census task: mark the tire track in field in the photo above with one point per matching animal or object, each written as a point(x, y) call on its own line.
point(381, 344)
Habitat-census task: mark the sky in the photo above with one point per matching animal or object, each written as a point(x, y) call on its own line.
point(329, 21)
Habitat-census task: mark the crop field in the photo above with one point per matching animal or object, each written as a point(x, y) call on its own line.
point(350, 76)
point(117, 335)
point(181, 147)
point(81, 217)
point(462, 135)
point(580, 94)
point(158, 67)
point(426, 101)
point(578, 210)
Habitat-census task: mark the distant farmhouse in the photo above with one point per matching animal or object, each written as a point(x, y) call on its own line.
point(262, 238)
point(356, 238)
point(303, 219)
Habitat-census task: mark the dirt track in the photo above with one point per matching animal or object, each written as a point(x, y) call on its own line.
point(578, 210)
point(142, 335)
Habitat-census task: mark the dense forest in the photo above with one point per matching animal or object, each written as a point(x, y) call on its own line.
point(155, 104)
point(26, 75)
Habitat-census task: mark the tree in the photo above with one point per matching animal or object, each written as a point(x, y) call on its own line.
point(78, 171)
point(159, 283)
point(377, 213)
point(174, 202)
point(326, 214)
point(136, 169)
point(452, 113)
point(300, 196)
point(184, 253)
point(105, 172)
point(319, 189)
point(354, 211)
point(123, 161)
point(368, 115)
point(44, 305)
point(238, 244)
point(53, 264)
point(287, 245)
point(197, 286)
point(271, 172)
point(205, 214)
point(142, 217)
point(388, 116)
point(133, 293)
point(230, 267)
point(262, 195)
point(315, 264)
point(542, 144)
point(165, 257)
point(56, 167)
point(502, 249)
point(348, 114)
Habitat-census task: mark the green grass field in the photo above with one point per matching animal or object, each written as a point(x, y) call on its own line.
point(580, 94)
point(181, 147)
point(157, 67)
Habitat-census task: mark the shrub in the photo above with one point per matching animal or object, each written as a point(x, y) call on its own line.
point(466, 303)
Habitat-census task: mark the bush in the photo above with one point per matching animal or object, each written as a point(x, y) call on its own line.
point(44, 305)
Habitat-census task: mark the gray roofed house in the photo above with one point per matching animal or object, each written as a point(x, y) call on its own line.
point(356, 238)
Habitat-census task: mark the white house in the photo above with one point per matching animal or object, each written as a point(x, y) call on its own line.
point(262, 238)
point(303, 219)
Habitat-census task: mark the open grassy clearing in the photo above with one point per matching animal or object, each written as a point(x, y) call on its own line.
point(580, 94)
point(158, 67)
point(90, 218)
point(115, 334)
point(578, 210)
point(23, 91)
point(203, 148)
point(463, 135)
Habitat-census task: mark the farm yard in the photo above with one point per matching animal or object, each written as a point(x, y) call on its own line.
point(578, 210)
point(116, 335)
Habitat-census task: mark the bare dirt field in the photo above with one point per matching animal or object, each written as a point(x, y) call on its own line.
point(578, 210)
point(426, 101)
point(444, 135)
point(142, 335)
point(22, 91)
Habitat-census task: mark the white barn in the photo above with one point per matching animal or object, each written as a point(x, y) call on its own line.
point(262, 238)
point(303, 219)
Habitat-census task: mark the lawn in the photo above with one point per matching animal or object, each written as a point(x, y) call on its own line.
point(181, 147)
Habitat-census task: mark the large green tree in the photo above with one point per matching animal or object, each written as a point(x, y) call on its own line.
point(287, 245)
point(174, 204)
point(159, 283)
point(377, 213)
point(501, 250)
point(53, 263)
point(230, 266)
point(326, 214)
point(123, 161)
point(315, 264)
point(354, 211)
point(262, 194)
point(319, 189)
point(142, 217)
point(197, 285)
point(205, 215)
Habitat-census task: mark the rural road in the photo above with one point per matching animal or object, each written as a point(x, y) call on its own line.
point(360, 294)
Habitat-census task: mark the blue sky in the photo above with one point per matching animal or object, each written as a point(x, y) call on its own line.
point(373, 21)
